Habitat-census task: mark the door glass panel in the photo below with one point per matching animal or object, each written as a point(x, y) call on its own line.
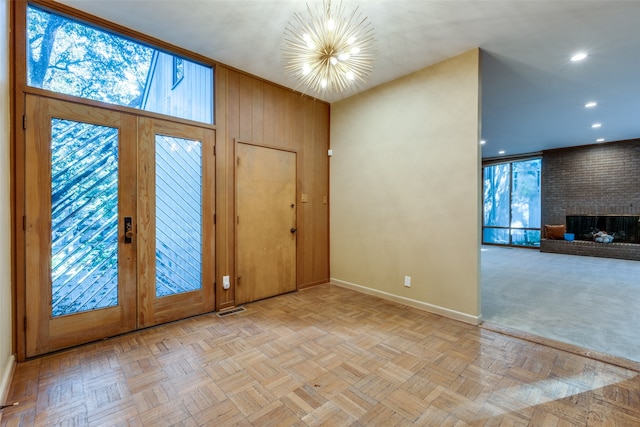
point(84, 216)
point(178, 215)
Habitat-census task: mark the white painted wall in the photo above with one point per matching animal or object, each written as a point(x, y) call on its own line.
point(405, 189)
point(6, 356)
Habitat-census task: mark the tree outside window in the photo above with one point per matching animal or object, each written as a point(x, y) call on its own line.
point(512, 203)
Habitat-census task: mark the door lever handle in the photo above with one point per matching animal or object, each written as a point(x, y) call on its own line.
point(128, 229)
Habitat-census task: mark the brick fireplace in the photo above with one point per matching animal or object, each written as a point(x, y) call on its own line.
point(594, 180)
point(623, 228)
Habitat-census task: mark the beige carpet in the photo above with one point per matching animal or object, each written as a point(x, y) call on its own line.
point(584, 301)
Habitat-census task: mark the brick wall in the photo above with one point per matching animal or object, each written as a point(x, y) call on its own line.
point(601, 179)
point(628, 251)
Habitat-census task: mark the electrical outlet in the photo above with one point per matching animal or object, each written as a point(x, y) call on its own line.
point(407, 281)
point(225, 282)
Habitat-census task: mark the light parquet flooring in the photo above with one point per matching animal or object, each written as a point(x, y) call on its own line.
point(322, 356)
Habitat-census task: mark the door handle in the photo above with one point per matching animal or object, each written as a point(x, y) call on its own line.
point(293, 230)
point(128, 229)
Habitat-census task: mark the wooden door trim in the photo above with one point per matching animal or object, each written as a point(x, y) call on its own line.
point(44, 93)
point(272, 147)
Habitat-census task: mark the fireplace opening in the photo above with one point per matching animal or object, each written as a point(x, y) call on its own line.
point(624, 228)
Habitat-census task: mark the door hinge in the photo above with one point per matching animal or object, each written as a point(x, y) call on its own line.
point(25, 324)
point(24, 122)
point(214, 150)
point(24, 222)
point(214, 219)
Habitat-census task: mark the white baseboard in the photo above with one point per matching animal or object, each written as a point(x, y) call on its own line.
point(435, 309)
point(5, 378)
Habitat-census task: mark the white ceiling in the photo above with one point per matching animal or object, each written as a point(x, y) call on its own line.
point(532, 95)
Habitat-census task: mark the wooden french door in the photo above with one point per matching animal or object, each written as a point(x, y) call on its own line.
point(119, 223)
point(80, 274)
point(266, 222)
point(176, 231)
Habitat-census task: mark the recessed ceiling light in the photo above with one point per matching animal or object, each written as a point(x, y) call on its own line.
point(590, 104)
point(501, 152)
point(579, 56)
point(600, 140)
point(482, 141)
point(596, 125)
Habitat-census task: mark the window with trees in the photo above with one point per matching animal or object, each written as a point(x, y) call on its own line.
point(512, 203)
point(73, 58)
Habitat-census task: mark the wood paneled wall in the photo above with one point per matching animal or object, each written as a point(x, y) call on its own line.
point(252, 110)
point(247, 109)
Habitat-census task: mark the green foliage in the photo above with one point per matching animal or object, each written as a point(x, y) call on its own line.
point(73, 58)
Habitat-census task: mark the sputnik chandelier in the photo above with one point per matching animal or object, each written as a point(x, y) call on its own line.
point(328, 51)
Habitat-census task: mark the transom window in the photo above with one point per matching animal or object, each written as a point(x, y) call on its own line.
point(73, 58)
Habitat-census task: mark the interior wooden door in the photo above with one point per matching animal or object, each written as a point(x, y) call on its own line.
point(266, 222)
point(80, 195)
point(176, 207)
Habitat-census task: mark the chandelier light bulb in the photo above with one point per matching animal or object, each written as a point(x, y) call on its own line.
point(327, 50)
